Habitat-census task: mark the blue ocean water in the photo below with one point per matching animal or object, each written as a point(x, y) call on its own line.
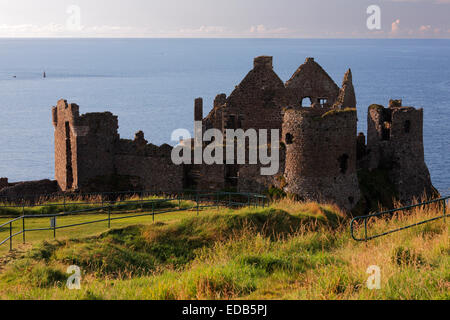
point(151, 85)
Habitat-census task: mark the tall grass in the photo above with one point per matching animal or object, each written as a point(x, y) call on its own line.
point(291, 250)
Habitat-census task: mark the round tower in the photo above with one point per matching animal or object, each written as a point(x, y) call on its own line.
point(321, 155)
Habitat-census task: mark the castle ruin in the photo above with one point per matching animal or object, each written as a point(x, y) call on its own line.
point(91, 156)
point(320, 150)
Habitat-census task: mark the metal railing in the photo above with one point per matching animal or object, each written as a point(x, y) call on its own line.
point(442, 203)
point(152, 206)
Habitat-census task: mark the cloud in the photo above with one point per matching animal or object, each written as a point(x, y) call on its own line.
point(261, 30)
point(58, 30)
point(425, 28)
point(205, 31)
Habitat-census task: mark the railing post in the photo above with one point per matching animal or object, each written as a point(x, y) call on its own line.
point(109, 217)
point(23, 229)
point(10, 236)
point(365, 228)
point(217, 200)
point(444, 209)
point(197, 204)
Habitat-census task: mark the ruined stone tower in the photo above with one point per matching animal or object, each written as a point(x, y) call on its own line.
point(395, 143)
point(321, 155)
point(83, 145)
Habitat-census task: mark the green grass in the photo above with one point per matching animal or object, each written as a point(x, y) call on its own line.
point(88, 229)
point(58, 206)
point(289, 250)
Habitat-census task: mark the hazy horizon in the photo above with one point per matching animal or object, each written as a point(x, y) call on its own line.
point(298, 19)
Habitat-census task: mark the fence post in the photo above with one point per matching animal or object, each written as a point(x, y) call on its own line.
point(197, 204)
point(217, 201)
point(109, 217)
point(54, 227)
point(444, 208)
point(10, 236)
point(64, 201)
point(23, 229)
point(153, 210)
point(365, 228)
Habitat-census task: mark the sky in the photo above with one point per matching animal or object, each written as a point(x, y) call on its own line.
point(226, 18)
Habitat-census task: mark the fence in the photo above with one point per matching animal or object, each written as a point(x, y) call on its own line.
point(442, 203)
point(153, 206)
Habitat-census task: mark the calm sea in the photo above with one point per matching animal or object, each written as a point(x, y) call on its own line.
point(151, 85)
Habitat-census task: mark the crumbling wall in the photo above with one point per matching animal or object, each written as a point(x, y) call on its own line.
point(311, 82)
point(395, 143)
point(321, 155)
point(149, 166)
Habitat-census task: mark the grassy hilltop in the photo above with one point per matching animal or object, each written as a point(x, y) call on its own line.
point(289, 250)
